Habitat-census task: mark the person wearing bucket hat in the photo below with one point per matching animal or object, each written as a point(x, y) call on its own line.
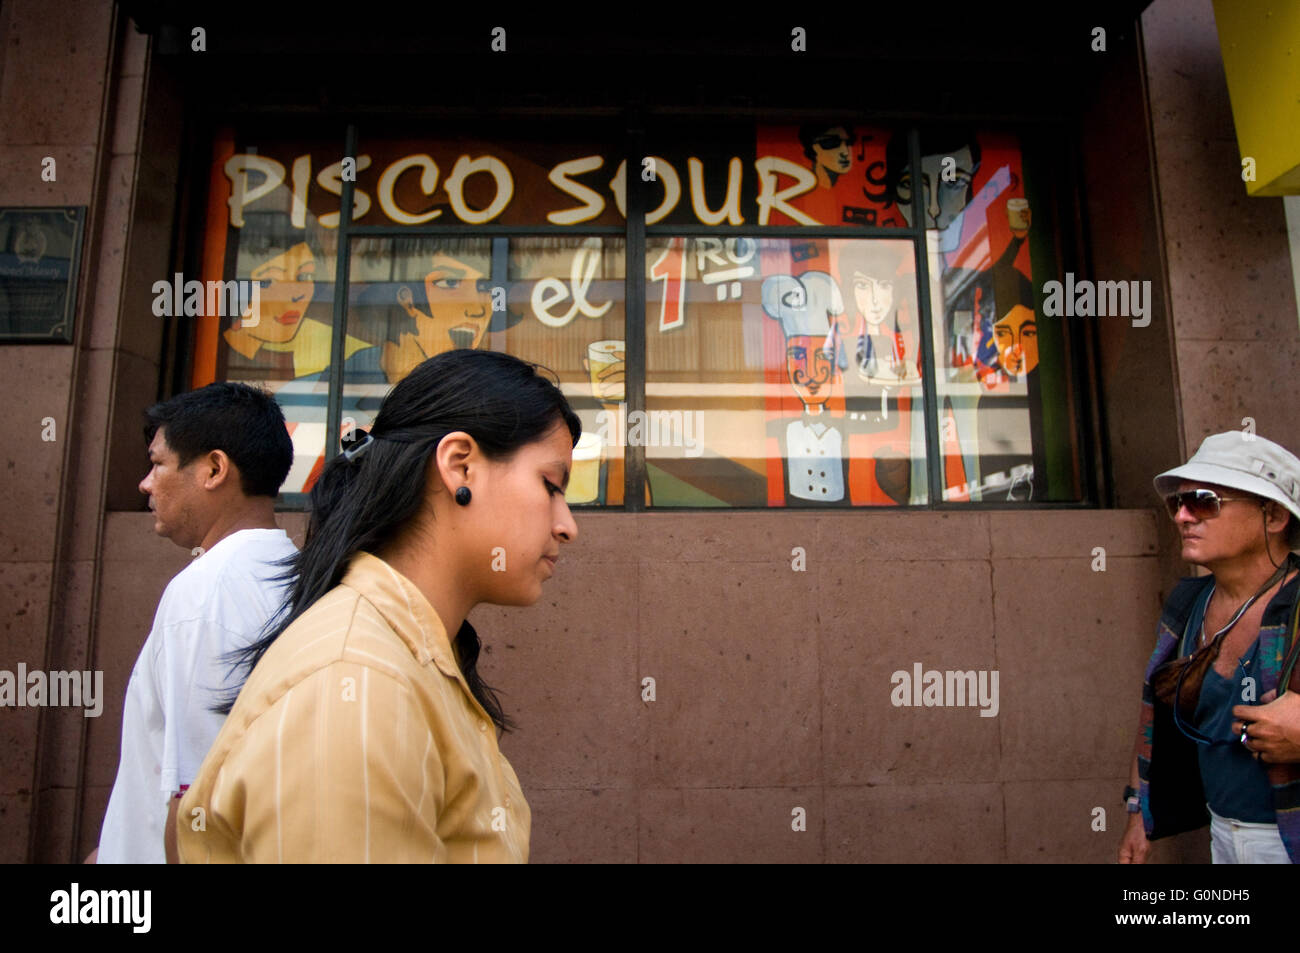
point(1223, 639)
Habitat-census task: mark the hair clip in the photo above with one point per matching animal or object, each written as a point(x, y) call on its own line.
point(358, 447)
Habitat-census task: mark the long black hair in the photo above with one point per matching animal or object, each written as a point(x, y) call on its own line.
point(359, 506)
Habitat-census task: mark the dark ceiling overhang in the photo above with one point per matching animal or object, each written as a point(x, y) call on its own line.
point(909, 60)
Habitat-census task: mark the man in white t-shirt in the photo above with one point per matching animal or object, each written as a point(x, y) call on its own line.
point(219, 455)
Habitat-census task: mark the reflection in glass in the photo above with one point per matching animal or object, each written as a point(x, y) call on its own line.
point(1003, 380)
point(783, 373)
point(288, 350)
point(555, 301)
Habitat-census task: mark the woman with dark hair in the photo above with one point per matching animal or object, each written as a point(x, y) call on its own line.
point(869, 273)
point(287, 263)
point(288, 350)
point(879, 403)
point(363, 731)
point(943, 197)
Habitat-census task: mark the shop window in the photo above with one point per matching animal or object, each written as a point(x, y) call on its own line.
point(820, 323)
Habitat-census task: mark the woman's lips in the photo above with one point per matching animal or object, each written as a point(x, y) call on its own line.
point(289, 317)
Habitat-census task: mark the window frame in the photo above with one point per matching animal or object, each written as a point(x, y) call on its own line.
point(1042, 142)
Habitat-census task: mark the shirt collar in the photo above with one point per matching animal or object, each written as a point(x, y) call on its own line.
point(1279, 608)
point(405, 609)
point(1278, 611)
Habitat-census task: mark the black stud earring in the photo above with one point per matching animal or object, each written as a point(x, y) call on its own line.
point(462, 496)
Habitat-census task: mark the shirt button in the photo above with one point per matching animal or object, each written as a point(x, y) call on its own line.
point(482, 726)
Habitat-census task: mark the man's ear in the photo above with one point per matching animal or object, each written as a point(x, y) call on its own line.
point(216, 469)
point(1289, 529)
point(1273, 512)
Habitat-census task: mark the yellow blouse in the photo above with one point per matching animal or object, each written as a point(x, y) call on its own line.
point(356, 739)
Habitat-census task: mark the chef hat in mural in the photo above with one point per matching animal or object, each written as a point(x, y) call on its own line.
point(805, 305)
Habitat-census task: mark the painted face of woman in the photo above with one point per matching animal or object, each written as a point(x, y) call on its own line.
point(288, 284)
point(874, 298)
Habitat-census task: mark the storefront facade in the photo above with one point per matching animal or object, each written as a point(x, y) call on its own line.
point(957, 317)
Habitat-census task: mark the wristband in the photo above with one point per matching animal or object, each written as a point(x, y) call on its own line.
point(1132, 803)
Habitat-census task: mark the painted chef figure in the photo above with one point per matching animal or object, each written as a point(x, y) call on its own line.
point(810, 309)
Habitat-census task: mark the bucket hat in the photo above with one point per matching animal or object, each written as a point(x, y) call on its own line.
point(1243, 461)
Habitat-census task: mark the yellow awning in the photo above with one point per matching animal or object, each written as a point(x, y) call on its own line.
point(1260, 40)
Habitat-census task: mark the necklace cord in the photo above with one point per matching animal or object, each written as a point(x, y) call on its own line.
point(1194, 733)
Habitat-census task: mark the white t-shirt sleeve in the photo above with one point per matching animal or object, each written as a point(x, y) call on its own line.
point(219, 603)
point(191, 677)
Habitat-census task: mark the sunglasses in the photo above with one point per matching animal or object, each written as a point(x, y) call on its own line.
point(1202, 504)
point(832, 142)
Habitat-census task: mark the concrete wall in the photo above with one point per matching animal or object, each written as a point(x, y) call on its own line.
point(72, 93)
point(1229, 262)
point(773, 685)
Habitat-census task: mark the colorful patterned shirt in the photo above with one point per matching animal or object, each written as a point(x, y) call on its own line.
point(1171, 792)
